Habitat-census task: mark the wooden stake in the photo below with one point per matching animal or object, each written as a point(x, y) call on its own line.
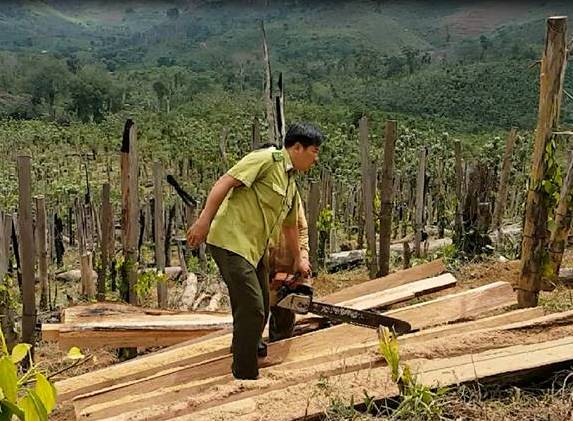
point(368, 180)
point(42, 250)
point(107, 249)
point(386, 198)
point(535, 228)
point(313, 209)
point(501, 198)
point(159, 232)
point(420, 184)
point(26, 234)
point(459, 226)
point(268, 89)
point(559, 234)
point(130, 205)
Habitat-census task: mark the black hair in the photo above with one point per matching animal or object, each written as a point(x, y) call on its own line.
point(304, 133)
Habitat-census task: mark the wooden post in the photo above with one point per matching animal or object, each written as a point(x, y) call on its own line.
point(559, 234)
point(159, 226)
point(386, 198)
point(5, 231)
point(255, 134)
point(42, 250)
point(535, 227)
point(280, 113)
point(179, 221)
point(106, 240)
point(459, 226)
point(313, 208)
point(130, 207)
point(368, 180)
point(420, 200)
point(223, 148)
point(501, 198)
point(268, 90)
point(26, 244)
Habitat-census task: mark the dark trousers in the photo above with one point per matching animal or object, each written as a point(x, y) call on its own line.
point(281, 324)
point(249, 293)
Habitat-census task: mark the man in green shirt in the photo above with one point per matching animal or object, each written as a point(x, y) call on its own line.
point(244, 211)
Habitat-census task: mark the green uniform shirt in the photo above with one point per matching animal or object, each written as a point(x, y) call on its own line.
point(253, 213)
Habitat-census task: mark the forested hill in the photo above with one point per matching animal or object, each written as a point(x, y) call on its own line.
point(463, 60)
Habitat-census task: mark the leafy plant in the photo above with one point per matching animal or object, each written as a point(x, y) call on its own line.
point(416, 399)
point(17, 399)
point(147, 280)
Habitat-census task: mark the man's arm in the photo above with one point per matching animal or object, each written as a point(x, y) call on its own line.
point(292, 242)
point(197, 233)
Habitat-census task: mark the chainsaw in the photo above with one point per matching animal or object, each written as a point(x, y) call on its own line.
point(298, 298)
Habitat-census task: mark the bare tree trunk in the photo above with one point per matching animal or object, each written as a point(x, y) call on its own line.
point(535, 228)
point(268, 84)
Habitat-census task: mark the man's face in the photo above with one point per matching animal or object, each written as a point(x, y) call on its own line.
point(304, 158)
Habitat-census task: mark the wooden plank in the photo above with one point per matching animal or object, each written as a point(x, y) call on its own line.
point(295, 403)
point(321, 343)
point(393, 280)
point(215, 347)
point(278, 377)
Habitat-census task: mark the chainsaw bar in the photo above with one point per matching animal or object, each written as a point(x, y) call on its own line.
point(359, 317)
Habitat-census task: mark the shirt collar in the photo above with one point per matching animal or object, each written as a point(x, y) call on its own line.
point(287, 161)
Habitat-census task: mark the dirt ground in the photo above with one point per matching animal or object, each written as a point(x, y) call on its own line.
point(467, 403)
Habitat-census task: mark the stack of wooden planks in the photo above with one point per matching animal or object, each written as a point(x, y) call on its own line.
point(115, 325)
point(192, 380)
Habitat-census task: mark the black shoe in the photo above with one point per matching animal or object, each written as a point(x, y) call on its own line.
point(262, 349)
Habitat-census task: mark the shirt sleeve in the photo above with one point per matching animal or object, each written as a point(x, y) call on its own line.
point(292, 215)
point(250, 168)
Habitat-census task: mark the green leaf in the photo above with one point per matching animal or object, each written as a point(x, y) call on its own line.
point(8, 409)
point(33, 408)
point(8, 379)
point(46, 392)
point(75, 354)
point(19, 352)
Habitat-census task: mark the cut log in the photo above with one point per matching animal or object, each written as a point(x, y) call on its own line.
point(321, 343)
point(216, 347)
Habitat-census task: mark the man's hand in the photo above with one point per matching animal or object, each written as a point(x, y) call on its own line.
point(302, 266)
point(197, 233)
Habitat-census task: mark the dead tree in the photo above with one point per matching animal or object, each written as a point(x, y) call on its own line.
point(535, 228)
point(459, 228)
point(7, 315)
point(268, 91)
point(386, 198)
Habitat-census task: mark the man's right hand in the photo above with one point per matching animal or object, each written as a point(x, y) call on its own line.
point(197, 233)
